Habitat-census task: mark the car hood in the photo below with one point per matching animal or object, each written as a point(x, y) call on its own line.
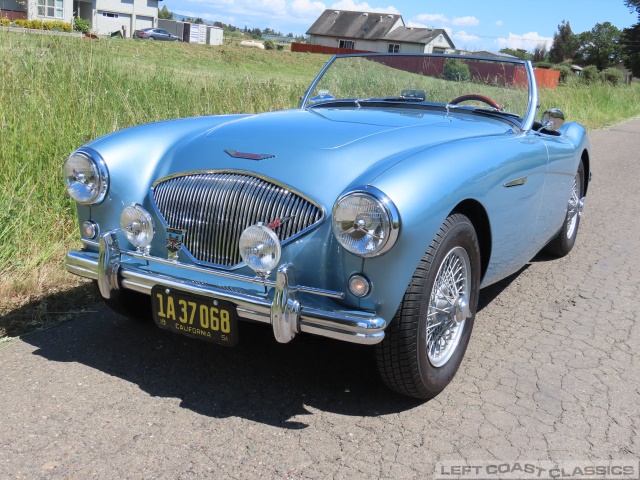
point(321, 152)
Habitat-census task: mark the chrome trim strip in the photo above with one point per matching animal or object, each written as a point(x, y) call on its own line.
point(516, 183)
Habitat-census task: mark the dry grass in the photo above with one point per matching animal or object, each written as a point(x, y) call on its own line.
point(43, 298)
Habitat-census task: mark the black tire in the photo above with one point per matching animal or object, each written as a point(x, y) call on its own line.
point(405, 359)
point(562, 243)
point(133, 305)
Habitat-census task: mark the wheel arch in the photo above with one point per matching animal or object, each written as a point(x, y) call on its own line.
point(475, 212)
point(587, 170)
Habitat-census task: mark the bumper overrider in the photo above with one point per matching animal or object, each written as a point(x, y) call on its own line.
point(116, 269)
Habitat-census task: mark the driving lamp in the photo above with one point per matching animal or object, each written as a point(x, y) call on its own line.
point(260, 249)
point(137, 226)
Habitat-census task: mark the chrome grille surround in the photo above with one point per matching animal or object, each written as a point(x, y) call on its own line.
point(214, 207)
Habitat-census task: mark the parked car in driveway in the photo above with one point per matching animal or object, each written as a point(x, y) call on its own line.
point(155, 34)
point(373, 213)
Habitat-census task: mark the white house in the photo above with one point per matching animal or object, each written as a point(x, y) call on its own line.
point(376, 32)
point(106, 16)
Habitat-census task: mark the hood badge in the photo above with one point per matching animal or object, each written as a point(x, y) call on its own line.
point(248, 156)
point(278, 222)
point(173, 241)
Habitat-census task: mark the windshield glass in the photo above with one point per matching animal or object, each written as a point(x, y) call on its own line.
point(469, 82)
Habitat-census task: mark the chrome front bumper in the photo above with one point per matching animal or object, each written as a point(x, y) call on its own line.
point(282, 309)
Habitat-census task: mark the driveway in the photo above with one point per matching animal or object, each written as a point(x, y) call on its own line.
point(552, 374)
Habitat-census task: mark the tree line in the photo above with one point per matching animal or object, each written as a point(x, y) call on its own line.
point(603, 46)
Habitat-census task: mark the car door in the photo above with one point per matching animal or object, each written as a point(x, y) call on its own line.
point(514, 192)
point(163, 34)
point(561, 170)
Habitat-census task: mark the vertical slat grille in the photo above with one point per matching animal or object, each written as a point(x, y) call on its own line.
point(214, 209)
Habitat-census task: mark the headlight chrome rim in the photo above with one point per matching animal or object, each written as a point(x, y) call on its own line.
point(99, 166)
point(386, 205)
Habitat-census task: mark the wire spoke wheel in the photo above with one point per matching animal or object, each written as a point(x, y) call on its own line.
point(574, 210)
point(428, 336)
point(563, 242)
point(448, 307)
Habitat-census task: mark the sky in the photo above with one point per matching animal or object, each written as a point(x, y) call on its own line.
point(471, 24)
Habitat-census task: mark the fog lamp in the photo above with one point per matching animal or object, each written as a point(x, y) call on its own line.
point(137, 226)
point(90, 229)
point(359, 286)
point(260, 249)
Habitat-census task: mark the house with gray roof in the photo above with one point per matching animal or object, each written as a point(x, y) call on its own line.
point(376, 32)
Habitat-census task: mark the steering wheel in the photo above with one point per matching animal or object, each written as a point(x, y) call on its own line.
point(473, 96)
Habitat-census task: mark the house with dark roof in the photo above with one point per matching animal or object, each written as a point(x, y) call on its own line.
point(376, 32)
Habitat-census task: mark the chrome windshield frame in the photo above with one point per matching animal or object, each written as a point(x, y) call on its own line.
point(532, 107)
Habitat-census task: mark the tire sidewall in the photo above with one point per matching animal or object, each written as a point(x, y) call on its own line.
point(568, 242)
point(463, 235)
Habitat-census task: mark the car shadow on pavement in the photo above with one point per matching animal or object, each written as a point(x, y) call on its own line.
point(258, 379)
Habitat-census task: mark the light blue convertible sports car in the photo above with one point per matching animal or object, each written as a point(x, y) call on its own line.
point(372, 214)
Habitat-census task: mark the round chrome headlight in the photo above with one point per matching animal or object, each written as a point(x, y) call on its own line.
point(260, 249)
point(137, 226)
point(365, 222)
point(86, 177)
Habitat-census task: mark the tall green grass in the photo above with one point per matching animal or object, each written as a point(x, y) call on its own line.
point(58, 92)
point(595, 106)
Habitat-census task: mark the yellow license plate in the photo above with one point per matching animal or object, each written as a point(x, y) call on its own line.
point(195, 315)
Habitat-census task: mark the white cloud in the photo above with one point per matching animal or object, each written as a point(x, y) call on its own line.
point(433, 19)
point(306, 8)
point(464, 36)
point(352, 5)
point(499, 23)
point(526, 41)
point(468, 21)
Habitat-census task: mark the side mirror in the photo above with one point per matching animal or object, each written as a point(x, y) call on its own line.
point(552, 119)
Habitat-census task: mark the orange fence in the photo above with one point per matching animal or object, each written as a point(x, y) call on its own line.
point(546, 78)
point(509, 74)
point(308, 48)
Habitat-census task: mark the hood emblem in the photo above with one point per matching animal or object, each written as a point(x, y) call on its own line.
point(248, 156)
point(278, 221)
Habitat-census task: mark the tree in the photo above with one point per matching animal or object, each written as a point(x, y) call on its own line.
point(540, 53)
point(165, 13)
point(599, 46)
point(520, 53)
point(630, 42)
point(565, 44)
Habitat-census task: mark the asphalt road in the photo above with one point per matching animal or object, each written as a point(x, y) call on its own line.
point(552, 373)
